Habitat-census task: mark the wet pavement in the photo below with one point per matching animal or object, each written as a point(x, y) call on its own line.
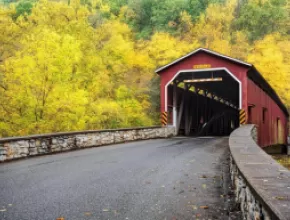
point(177, 178)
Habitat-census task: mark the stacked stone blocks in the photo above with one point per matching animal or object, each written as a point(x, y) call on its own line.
point(13, 148)
point(261, 184)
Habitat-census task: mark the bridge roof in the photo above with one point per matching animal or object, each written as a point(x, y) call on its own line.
point(252, 73)
point(206, 51)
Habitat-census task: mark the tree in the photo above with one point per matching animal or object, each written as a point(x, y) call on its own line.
point(259, 18)
point(271, 56)
point(41, 84)
point(89, 64)
point(23, 8)
point(65, 75)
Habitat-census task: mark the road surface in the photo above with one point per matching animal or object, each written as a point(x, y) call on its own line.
point(177, 178)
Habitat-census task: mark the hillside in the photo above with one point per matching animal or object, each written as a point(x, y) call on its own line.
point(75, 65)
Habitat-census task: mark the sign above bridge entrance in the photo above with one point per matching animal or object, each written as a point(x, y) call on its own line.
point(202, 66)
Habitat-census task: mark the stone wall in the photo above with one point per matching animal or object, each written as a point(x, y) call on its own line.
point(262, 186)
point(19, 147)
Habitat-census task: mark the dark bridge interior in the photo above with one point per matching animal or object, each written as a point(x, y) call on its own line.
point(207, 103)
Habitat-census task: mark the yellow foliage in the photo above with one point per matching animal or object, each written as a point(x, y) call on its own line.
point(271, 57)
point(76, 66)
point(10, 33)
point(64, 73)
point(164, 48)
point(213, 30)
point(213, 27)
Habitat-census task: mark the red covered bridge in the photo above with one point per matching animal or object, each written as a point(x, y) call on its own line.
point(207, 93)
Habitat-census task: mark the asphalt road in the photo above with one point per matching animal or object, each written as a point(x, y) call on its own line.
point(177, 178)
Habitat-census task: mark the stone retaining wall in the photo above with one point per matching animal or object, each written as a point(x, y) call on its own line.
point(18, 147)
point(262, 186)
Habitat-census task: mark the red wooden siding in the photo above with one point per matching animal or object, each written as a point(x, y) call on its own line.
point(265, 112)
point(268, 129)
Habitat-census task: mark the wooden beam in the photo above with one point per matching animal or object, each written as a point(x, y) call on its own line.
point(197, 115)
point(189, 124)
point(180, 112)
point(187, 108)
point(174, 103)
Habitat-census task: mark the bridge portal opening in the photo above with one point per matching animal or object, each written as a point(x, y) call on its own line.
point(203, 102)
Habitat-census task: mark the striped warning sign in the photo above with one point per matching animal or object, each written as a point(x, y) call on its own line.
point(242, 116)
point(164, 118)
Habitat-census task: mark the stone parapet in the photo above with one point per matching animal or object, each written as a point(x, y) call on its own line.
point(20, 147)
point(262, 186)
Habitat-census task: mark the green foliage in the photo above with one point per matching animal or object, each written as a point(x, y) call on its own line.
point(116, 5)
point(139, 17)
point(259, 19)
point(6, 2)
point(23, 8)
point(149, 16)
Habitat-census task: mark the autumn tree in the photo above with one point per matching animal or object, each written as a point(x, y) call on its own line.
point(271, 56)
point(68, 75)
point(89, 64)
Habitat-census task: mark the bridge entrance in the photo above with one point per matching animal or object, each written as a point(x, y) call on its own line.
point(203, 101)
point(207, 93)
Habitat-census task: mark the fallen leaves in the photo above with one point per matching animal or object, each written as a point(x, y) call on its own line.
point(204, 207)
point(194, 207)
point(60, 218)
point(88, 213)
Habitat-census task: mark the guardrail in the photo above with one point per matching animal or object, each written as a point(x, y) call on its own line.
point(262, 185)
point(20, 147)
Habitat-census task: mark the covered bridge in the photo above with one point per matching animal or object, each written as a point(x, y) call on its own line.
point(207, 93)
